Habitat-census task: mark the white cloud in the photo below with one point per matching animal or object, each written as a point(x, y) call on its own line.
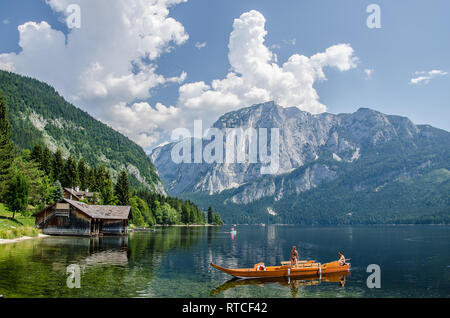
point(254, 77)
point(368, 72)
point(426, 77)
point(111, 60)
point(199, 45)
point(5, 21)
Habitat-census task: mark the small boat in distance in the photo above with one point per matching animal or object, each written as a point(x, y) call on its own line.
point(302, 268)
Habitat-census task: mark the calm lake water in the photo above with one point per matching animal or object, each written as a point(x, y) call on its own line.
point(174, 262)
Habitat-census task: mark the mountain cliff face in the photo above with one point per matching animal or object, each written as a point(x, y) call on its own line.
point(362, 152)
point(38, 114)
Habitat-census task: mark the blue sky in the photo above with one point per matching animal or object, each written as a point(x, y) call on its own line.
point(413, 38)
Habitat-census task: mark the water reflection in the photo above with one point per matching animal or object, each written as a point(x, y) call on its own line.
point(292, 283)
point(107, 251)
point(174, 262)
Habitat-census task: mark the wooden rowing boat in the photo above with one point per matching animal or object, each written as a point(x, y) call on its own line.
point(290, 282)
point(303, 268)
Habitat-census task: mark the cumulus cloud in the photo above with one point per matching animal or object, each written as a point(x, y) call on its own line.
point(111, 60)
point(254, 77)
point(426, 77)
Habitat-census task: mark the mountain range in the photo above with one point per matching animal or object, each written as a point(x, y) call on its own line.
point(363, 167)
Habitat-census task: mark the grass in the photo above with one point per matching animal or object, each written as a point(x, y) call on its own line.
point(20, 231)
point(17, 227)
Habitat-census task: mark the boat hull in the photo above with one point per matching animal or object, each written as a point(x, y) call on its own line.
point(285, 270)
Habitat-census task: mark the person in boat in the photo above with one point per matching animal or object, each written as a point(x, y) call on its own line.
point(294, 256)
point(341, 259)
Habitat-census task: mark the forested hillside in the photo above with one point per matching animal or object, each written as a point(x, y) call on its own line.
point(39, 115)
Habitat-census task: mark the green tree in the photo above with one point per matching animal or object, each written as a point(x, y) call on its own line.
point(138, 218)
point(6, 146)
point(158, 213)
point(30, 170)
point(17, 193)
point(100, 177)
point(107, 193)
point(169, 214)
point(92, 185)
point(217, 220)
point(46, 163)
point(58, 191)
point(58, 166)
point(122, 189)
point(210, 215)
point(47, 191)
point(70, 173)
point(184, 214)
point(37, 154)
point(83, 176)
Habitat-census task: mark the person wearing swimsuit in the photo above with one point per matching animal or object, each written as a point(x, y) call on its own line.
point(341, 259)
point(294, 256)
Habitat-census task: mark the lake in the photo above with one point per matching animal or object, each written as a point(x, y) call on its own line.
point(174, 262)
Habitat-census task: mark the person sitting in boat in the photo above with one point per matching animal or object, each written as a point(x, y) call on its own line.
point(294, 256)
point(341, 259)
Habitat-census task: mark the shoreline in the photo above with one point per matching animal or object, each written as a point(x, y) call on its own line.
point(23, 238)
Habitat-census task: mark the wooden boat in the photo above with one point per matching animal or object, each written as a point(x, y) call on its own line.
point(303, 268)
point(290, 282)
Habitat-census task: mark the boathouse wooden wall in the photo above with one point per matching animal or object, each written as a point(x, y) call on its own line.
point(74, 222)
point(115, 227)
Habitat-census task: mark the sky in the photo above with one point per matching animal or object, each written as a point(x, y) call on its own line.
point(146, 67)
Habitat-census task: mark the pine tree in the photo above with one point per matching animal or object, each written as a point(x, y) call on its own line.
point(91, 180)
point(58, 191)
point(122, 189)
point(184, 214)
point(210, 215)
point(58, 166)
point(100, 177)
point(83, 174)
point(37, 154)
point(108, 197)
point(46, 163)
point(70, 173)
point(6, 145)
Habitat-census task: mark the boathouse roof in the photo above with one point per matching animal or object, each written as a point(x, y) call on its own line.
point(110, 212)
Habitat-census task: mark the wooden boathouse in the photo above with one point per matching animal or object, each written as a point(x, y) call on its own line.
point(71, 217)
